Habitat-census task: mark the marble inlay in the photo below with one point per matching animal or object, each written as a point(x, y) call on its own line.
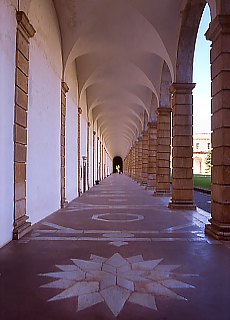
point(124, 217)
point(116, 280)
point(119, 237)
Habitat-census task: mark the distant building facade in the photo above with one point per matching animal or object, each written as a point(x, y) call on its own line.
point(201, 148)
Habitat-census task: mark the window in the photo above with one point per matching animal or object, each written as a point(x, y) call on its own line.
point(209, 145)
point(197, 145)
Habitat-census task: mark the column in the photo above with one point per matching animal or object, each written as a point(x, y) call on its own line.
point(145, 154)
point(182, 176)
point(25, 31)
point(152, 156)
point(136, 161)
point(219, 34)
point(140, 159)
point(79, 151)
point(163, 151)
point(64, 90)
point(133, 161)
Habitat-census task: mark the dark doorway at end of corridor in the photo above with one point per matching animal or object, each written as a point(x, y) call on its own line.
point(117, 164)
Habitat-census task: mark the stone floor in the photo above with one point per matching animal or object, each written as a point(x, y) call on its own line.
point(116, 253)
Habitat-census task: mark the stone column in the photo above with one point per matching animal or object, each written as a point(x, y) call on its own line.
point(219, 34)
point(140, 159)
point(152, 156)
point(145, 154)
point(79, 151)
point(163, 152)
point(64, 90)
point(182, 176)
point(25, 31)
point(133, 162)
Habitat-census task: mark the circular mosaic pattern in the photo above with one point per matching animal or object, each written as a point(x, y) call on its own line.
point(117, 217)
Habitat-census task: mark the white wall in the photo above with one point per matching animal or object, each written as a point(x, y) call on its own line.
point(43, 169)
point(7, 89)
point(71, 134)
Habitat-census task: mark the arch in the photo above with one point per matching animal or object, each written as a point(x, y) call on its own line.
point(117, 161)
point(186, 45)
point(166, 81)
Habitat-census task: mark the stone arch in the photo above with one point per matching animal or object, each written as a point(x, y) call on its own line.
point(191, 17)
point(166, 81)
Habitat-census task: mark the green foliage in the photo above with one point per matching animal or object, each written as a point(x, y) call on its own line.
point(202, 181)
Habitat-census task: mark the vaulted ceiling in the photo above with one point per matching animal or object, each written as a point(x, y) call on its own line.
point(119, 48)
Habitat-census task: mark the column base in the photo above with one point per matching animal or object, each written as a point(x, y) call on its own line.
point(182, 205)
point(64, 204)
point(162, 194)
point(218, 230)
point(21, 227)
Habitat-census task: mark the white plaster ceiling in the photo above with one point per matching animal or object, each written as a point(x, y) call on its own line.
point(119, 48)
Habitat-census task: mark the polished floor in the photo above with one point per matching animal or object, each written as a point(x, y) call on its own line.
point(116, 253)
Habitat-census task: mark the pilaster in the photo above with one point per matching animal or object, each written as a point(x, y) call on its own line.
point(25, 31)
point(64, 90)
point(79, 151)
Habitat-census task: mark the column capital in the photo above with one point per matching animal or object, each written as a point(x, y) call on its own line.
point(182, 88)
point(164, 110)
point(80, 110)
point(64, 87)
point(221, 24)
point(24, 24)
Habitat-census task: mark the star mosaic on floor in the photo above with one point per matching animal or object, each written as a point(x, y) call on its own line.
point(115, 281)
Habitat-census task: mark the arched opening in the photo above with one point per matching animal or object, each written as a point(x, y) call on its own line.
point(202, 100)
point(202, 78)
point(117, 163)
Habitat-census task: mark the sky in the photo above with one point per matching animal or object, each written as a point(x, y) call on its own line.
point(202, 78)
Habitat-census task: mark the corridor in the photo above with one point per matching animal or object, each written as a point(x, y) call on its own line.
point(116, 252)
